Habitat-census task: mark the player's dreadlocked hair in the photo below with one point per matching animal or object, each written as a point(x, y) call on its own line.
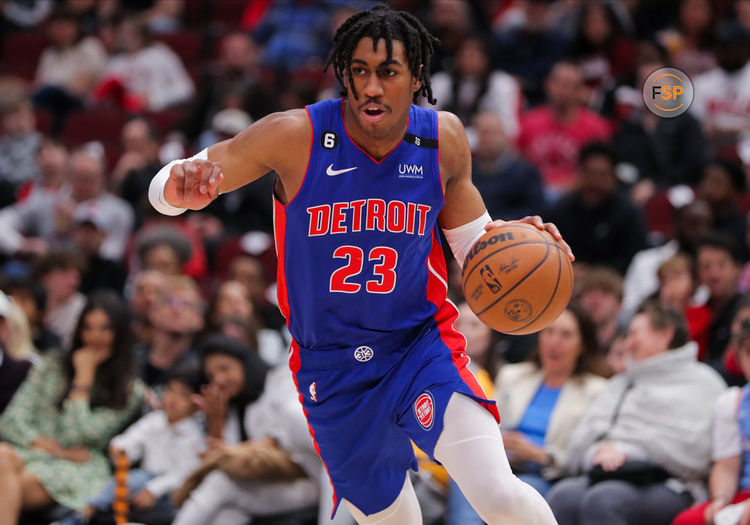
point(382, 22)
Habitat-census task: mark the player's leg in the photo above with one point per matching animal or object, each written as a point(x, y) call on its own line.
point(404, 511)
point(471, 449)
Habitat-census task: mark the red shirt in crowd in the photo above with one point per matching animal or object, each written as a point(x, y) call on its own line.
point(553, 146)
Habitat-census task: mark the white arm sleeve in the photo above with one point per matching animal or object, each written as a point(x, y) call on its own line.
point(461, 239)
point(156, 188)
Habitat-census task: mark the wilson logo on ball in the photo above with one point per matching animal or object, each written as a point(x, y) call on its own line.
point(481, 245)
point(424, 410)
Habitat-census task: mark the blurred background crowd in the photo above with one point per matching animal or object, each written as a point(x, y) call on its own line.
point(95, 96)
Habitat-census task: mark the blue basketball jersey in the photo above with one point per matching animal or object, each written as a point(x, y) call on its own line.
point(357, 243)
point(362, 282)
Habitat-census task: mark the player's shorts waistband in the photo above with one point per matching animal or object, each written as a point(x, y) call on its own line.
point(387, 346)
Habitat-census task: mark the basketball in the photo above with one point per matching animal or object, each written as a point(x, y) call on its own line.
point(517, 279)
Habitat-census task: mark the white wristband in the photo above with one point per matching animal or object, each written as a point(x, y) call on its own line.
point(156, 188)
point(461, 239)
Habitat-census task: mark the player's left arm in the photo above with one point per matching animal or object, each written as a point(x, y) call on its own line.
point(464, 217)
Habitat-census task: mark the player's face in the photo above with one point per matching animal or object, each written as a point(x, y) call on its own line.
point(385, 88)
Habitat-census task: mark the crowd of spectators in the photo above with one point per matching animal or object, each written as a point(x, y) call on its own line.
point(124, 333)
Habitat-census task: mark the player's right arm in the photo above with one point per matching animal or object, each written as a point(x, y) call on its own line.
point(279, 142)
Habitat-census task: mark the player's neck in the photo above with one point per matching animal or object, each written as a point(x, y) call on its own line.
point(375, 146)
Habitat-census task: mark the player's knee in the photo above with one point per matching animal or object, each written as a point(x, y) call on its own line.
point(513, 501)
point(500, 501)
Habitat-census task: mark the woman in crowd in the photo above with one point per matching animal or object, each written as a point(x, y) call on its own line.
point(60, 421)
point(644, 444)
point(541, 401)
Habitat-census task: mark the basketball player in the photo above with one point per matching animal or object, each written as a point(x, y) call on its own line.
point(364, 183)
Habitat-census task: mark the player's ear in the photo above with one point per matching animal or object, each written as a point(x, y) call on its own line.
point(416, 83)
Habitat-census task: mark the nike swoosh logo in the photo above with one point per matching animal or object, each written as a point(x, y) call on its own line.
point(332, 172)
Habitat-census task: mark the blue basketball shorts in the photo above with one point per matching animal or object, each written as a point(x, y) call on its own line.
point(365, 405)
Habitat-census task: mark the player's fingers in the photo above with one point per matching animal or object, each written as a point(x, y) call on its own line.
point(550, 227)
point(568, 250)
point(209, 181)
point(192, 174)
point(493, 224)
point(215, 172)
point(178, 174)
point(206, 169)
point(535, 220)
point(555, 232)
point(213, 189)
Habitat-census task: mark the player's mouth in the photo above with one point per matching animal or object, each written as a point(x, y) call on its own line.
point(373, 112)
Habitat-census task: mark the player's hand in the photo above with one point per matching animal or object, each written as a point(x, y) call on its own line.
point(143, 500)
point(608, 456)
point(536, 220)
point(193, 184)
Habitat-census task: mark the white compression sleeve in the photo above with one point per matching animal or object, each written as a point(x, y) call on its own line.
point(471, 450)
point(461, 239)
point(156, 188)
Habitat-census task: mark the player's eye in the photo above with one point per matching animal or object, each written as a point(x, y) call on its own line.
point(388, 73)
point(358, 70)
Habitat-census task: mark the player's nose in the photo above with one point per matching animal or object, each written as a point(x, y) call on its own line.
point(373, 87)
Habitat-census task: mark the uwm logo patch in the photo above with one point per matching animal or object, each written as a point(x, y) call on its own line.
point(410, 171)
point(424, 410)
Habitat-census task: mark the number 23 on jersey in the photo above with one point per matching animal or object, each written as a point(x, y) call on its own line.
point(381, 264)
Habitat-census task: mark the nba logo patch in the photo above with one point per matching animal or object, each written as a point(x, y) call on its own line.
point(313, 391)
point(424, 410)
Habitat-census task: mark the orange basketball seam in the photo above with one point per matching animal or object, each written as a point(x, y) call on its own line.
point(552, 295)
point(476, 265)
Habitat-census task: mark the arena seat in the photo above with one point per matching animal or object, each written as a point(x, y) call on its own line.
point(103, 125)
point(43, 120)
point(228, 13)
point(21, 52)
point(165, 121)
point(658, 211)
point(187, 45)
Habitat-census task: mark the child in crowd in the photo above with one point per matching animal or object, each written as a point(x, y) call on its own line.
point(166, 442)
